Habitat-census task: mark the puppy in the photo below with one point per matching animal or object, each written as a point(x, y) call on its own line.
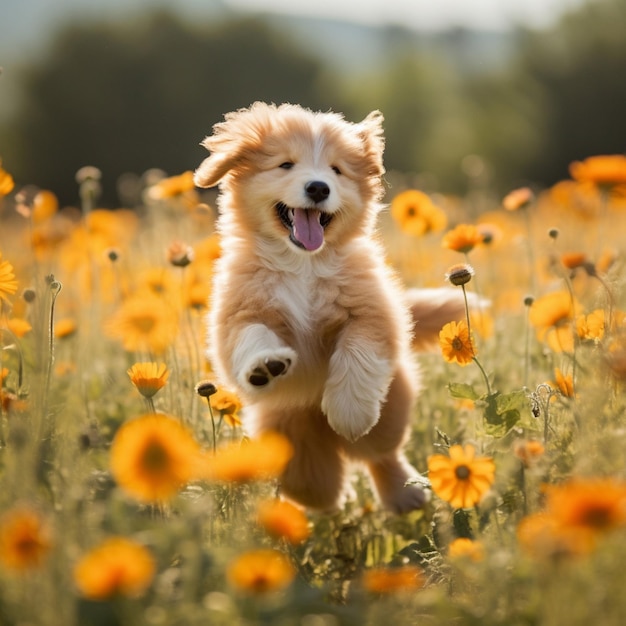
point(307, 323)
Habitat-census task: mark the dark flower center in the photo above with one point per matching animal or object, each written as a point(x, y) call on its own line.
point(462, 472)
point(155, 457)
point(596, 517)
point(457, 344)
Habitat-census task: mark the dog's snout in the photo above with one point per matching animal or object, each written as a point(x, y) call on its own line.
point(317, 190)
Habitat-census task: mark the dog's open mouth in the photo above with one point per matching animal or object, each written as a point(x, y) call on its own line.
point(306, 226)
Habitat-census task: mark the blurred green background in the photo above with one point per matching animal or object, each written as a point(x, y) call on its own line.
point(463, 107)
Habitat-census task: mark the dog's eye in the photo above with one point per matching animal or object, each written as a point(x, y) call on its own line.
point(287, 165)
point(336, 169)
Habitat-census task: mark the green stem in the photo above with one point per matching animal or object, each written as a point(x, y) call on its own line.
point(482, 371)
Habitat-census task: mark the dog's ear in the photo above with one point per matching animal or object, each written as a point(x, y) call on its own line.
point(213, 169)
point(232, 142)
point(371, 133)
point(225, 154)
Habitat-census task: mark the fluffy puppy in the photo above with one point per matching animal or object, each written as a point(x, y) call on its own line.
point(307, 323)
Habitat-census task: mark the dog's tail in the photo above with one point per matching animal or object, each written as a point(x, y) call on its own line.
point(432, 309)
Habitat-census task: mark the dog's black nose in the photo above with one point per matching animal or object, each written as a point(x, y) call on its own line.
point(317, 190)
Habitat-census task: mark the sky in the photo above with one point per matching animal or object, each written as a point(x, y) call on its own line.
point(426, 14)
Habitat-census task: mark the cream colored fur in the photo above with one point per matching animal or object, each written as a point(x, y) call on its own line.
point(315, 337)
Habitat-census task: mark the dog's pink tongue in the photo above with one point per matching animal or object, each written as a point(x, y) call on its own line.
point(307, 228)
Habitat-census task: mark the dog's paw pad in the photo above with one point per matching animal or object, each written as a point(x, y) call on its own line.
point(276, 368)
point(258, 377)
point(263, 372)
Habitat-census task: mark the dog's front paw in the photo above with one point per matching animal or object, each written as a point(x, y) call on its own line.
point(350, 417)
point(267, 366)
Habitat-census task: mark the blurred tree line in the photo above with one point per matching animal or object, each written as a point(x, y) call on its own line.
point(127, 97)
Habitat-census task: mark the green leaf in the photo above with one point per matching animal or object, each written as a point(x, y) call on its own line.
point(515, 401)
point(462, 390)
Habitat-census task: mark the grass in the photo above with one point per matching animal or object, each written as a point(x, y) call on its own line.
point(68, 343)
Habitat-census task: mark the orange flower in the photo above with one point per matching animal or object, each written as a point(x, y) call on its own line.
point(260, 571)
point(528, 451)
point(602, 170)
point(416, 214)
point(65, 327)
point(461, 478)
point(254, 459)
point(25, 539)
point(591, 326)
point(565, 384)
point(6, 182)
point(456, 343)
point(18, 326)
point(148, 377)
point(463, 238)
point(518, 199)
point(117, 567)
point(45, 205)
point(572, 260)
point(283, 519)
point(8, 284)
point(153, 456)
point(595, 504)
point(144, 323)
point(173, 186)
point(393, 579)
point(464, 548)
point(541, 536)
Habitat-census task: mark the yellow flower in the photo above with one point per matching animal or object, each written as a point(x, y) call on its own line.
point(8, 284)
point(393, 579)
point(461, 478)
point(154, 456)
point(148, 377)
point(6, 182)
point(552, 316)
point(25, 539)
point(416, 214)
point(228, 405)
point(117, 567)
point(260, 571)
point(65, 327)
point(602, 170)
point(255, 459)
point(463, 238)
point(464, 548)
point(144, 323)
point(564, 383)
point(456, 343)
point(591, 326)
point(518, 199)
point(283, 520)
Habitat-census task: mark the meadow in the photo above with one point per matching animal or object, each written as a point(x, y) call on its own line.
point(131, 495)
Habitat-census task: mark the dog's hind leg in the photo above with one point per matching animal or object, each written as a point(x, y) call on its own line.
point(315, 475)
